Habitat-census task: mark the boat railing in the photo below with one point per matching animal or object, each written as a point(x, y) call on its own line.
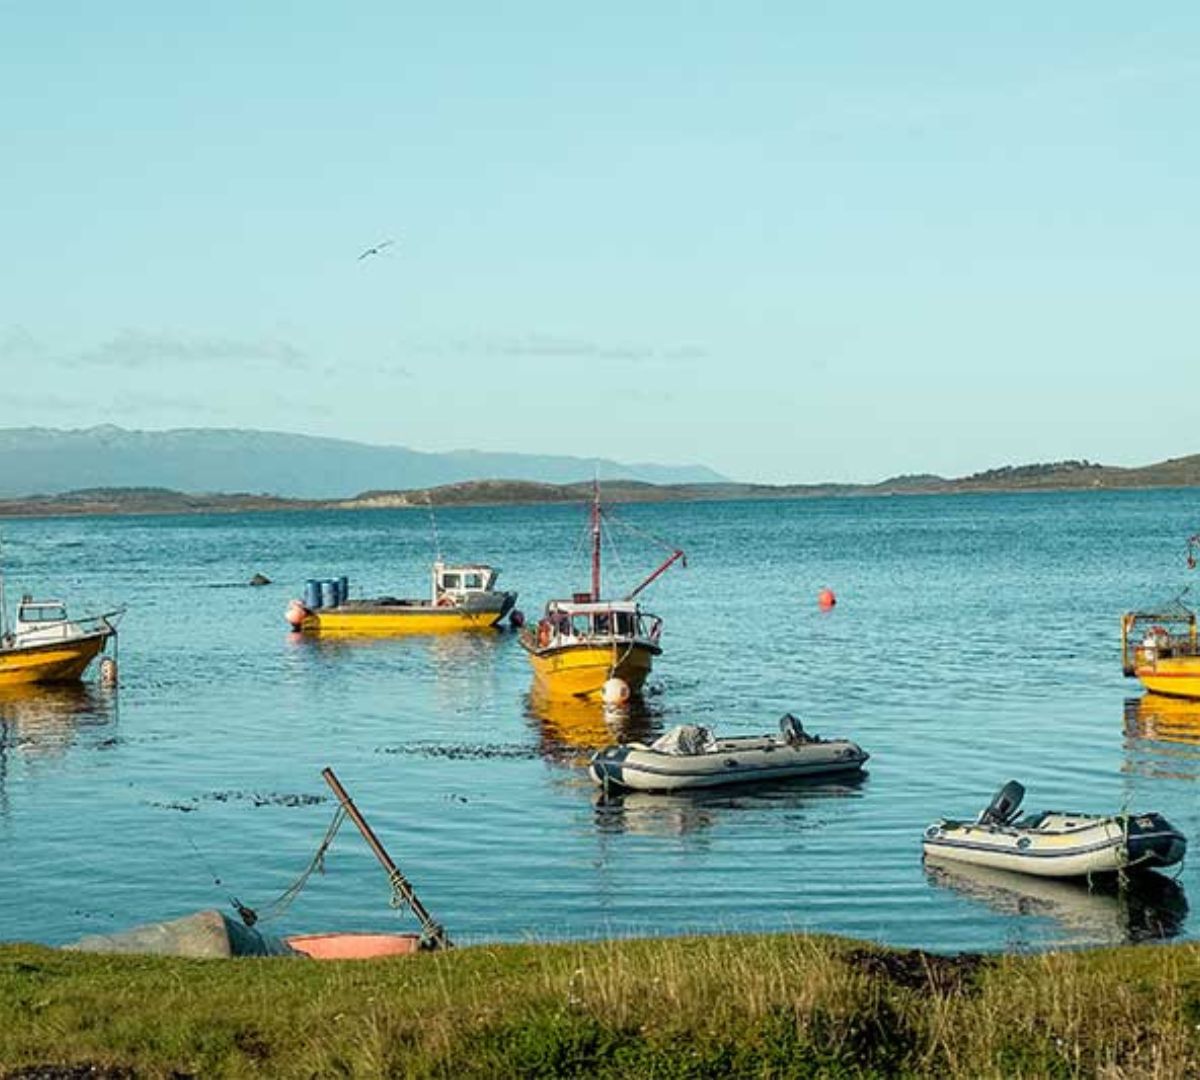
point(1149, 636)
point(93, 624)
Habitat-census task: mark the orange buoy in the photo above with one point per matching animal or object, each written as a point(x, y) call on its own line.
point(826, 599)
point(296, 614)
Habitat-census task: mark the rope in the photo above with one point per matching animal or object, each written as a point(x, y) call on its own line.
point(286, 898)
point(606, 535)
point(618, 520)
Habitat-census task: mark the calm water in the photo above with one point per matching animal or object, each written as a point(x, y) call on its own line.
point(975, 640)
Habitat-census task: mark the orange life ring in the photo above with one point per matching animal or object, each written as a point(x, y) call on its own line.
point(445, 601)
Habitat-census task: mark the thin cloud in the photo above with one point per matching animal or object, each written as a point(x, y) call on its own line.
point(551, 347)
point(136, 350)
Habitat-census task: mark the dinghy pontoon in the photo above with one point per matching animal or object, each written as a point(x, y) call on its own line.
point(690, 756)
point(1053, 843)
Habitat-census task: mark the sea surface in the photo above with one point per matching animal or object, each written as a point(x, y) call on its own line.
point(975, 640)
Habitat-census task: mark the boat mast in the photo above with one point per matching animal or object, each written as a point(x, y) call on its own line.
point(3, 599)
point(595, 540)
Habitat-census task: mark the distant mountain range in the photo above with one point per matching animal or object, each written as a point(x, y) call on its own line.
point(46, 461)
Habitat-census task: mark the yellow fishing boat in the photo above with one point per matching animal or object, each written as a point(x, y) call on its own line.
point(1159, 649)
point(44, 646)
point(462, 598)
point(580, 644)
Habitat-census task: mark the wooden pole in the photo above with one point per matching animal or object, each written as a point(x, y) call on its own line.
point(433, 931)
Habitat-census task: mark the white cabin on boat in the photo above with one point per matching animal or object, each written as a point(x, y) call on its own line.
point(456, 583)
point(597, 622)
point(40, 622)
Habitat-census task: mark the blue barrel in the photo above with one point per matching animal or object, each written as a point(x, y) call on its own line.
point(329, 597)
point(312, 594)
point(343, 589)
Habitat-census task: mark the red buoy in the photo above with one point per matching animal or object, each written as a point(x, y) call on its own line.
point(826, 599)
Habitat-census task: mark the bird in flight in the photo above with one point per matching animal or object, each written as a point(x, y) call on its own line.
point(376, 250)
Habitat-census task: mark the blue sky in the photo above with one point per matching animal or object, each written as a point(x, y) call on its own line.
point(794, 242)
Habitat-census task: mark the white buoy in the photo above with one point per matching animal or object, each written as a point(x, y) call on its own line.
point(616, 692)
point(108, 672)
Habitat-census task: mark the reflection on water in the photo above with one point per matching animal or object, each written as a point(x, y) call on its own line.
point(42, 722)
point(1162, 737)
point(1148, 907)
point(570, 729)
point(682, 812)
point(1163, 719)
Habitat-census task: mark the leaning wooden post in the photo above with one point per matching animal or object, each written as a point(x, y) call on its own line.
point(433, 932)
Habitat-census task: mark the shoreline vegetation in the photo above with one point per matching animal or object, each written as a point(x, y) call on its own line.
point(1052, 476)
point(780, 1005)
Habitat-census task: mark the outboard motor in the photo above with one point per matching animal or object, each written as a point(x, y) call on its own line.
point(1005, 805)
point(793, 731)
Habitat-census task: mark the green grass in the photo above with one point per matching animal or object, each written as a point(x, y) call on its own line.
point(770, 1006)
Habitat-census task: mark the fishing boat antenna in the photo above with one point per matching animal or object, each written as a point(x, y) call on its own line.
point(432, 932)
point(437, 543)
point(3, 599)
point(595, 539)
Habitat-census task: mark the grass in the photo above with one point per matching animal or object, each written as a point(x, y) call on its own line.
point(764, 1006)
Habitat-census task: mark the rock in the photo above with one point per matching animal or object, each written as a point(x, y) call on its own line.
point(260, 579)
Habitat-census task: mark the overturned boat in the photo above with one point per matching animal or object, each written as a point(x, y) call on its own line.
point(689, 756)
point(1054, 843)
point(212, 934)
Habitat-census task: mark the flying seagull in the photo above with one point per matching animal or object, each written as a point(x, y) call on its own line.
point(376, 250)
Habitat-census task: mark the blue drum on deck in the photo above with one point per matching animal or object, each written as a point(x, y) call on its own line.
point(312, 594)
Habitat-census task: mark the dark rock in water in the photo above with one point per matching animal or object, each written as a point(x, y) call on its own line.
point(260, 579)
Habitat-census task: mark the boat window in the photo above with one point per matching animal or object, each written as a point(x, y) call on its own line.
point(603, 623)
point(472, 581)
point(581, 625)
point(624, 621)
point(42, 614)
point(450, 581)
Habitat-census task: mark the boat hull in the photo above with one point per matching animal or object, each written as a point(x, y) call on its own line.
point(1101, 845)
point(1175, 676)
point(50, 662)
point(353, 946)
point(580, 671)
point(394, 620)
point(759, 760)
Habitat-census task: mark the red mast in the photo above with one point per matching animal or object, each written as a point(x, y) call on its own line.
point(595, 540)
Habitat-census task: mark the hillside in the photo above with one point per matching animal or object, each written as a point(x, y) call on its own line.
point(1052, 476)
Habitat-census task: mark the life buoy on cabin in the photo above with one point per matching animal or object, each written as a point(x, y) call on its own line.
point(543, 637)
point(445, 601)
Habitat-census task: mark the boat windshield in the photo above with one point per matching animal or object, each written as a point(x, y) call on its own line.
point(41, 613)
point(605, 624)
point(463, 579)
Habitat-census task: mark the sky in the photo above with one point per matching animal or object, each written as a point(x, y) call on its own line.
point(792, 241)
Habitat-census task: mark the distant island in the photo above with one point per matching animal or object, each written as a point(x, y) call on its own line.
point(1048, 476)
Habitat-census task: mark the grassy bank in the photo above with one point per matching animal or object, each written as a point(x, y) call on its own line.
point(775, 1006)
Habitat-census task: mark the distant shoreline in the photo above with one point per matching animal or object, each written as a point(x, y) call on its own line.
point(1062, 476)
